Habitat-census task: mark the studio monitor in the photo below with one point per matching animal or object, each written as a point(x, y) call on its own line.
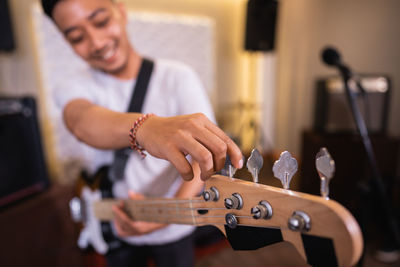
point(6, 33)
point(22, 168)
point(332, 108)
point(260, 25)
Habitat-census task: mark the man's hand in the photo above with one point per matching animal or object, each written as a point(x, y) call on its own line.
point(172, 138)
point(125, 226)
point(169, 138)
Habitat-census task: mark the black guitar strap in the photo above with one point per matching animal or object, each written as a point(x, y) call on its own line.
point(116, 171)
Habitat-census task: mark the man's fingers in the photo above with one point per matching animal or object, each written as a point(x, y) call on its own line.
point(135, 196)
point(174, 138)
point(200, 154)
point(120, 215)
point(233, 150)
point(180, 162)
point(122, 222)
point(215, 145)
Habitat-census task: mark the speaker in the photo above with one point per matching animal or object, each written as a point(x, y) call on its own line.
point(7, 39)
point(260, 25)
point(22, 169)
point(332, 108)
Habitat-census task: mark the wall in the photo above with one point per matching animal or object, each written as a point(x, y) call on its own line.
point(364, 31)
point(17, 72)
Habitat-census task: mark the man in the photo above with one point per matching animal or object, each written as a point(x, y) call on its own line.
point(94, 105)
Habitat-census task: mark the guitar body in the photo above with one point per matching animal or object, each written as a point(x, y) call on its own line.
point(95, 233)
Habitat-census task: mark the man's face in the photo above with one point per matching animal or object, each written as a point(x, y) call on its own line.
point(96, 31)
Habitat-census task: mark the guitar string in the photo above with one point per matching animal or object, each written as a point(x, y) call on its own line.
point(153, 205)
point(195, 216)
point(158, 211)
point(162, 217)
point(176, 208)
point(155, 201)
point(149, 206)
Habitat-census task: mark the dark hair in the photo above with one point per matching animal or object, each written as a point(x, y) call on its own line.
point(48, 6)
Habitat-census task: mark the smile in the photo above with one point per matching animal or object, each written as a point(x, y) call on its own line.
point(109, 54)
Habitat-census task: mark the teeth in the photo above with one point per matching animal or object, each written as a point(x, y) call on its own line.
point(109, 54)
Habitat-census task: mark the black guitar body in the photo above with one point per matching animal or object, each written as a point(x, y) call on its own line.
point(102, 182)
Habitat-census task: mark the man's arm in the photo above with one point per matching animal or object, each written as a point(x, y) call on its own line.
point(170, 138)
point(97, 126)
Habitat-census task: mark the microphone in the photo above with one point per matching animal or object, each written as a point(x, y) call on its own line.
point(331, 57)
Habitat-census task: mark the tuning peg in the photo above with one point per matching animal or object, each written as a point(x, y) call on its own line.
point(254, 164)
point(284, 168)
point(228, 169)
point(326, 168)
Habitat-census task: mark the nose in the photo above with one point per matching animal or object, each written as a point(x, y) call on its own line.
point(97, 40)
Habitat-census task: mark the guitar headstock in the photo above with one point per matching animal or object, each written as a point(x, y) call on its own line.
point(253, 215)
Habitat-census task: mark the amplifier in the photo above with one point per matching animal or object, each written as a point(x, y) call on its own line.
point(332, 108)
point(22, 169)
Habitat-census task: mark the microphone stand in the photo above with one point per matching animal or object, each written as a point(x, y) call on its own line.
point(377, 180)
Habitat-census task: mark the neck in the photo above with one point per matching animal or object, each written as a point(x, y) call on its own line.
point(131, 69)
point(178, 211)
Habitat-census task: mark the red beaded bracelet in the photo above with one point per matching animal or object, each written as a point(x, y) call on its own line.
point(133, 131)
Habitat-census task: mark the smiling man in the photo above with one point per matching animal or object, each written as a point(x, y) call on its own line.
point(94, 104)
point(96, 31)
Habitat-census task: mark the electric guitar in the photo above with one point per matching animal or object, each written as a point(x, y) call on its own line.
point(251, 215)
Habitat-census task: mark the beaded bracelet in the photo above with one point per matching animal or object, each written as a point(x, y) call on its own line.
point(132, 133)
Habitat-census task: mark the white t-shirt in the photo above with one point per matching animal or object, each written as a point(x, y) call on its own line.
point(174, 89)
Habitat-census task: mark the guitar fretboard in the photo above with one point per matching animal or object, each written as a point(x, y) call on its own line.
point(178, 211)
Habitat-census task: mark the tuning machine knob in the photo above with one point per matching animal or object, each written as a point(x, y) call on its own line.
point(262, 211)
point(299, 222)
point(231, 220)
point(211, 194)
point(234, 202)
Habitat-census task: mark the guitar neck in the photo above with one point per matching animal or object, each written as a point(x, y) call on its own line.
point(177, 211)
point(332, 229)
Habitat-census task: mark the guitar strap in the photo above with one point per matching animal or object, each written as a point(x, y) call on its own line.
point(116, 170)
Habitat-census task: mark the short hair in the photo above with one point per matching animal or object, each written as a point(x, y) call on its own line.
point(48, 6)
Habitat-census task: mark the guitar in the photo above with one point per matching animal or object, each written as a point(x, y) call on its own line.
point(251, 215)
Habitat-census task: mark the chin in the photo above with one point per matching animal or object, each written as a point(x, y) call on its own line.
point(116, 70)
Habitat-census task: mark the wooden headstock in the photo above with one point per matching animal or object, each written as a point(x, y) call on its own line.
point(321, 228)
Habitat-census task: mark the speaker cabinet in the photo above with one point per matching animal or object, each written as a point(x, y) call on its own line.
point(260, 25)
point(6, 33)
point(22, 169)
point(332, 108)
